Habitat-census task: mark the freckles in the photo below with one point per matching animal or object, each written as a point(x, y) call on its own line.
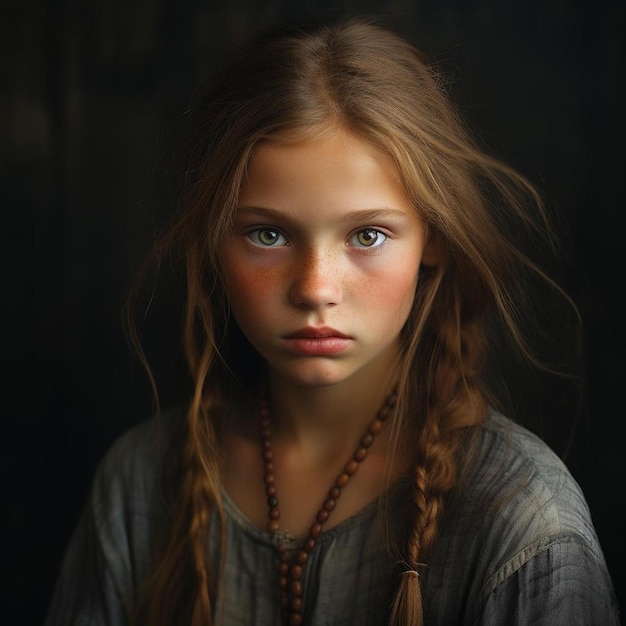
point(251, 286)
point(395, 288)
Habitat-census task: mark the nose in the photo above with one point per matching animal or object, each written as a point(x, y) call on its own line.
point(316, 280)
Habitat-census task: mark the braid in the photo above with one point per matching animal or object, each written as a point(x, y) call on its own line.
point(200, 487)
point(432, 479)
point(182, 587)
point(456, 399)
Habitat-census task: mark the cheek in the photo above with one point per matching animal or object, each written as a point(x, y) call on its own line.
point(393, 283)
point(249, 289)
point(394, 290)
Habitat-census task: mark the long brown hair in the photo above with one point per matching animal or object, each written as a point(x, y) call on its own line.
point(361, 77)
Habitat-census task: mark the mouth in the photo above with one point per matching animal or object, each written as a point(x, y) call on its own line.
point(311, 332)
point(319, 342)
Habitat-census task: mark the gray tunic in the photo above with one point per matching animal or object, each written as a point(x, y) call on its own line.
point(517, 547)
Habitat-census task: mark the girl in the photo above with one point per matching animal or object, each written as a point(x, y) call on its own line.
point(341, 459)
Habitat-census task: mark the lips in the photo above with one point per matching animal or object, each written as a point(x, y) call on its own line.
point(311, 332)
point(311, 341)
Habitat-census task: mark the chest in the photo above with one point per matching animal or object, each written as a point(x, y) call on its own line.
point(345, 581)
point(301, 489)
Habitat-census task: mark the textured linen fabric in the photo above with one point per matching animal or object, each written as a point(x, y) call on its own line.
point(517, 547)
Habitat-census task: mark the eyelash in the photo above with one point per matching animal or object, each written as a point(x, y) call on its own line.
point(255, 234)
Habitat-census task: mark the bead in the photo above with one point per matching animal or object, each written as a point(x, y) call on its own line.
point(309, 544)
point(334, 493)
point(272, 526)
point(267, 455)
point(296, 604)
point(351, 467)
point(270, 490)
point(283, 569)
point(296, 572)
point(295, 619)
point(272, 502)
point(329, 505)
point(360, 454)
point(322, 516)
point(274, 514)
point(315, 531)
point(302, 557)
point(269, 479)
point(283, 581)
point(367, 440)
point(343, 479)
point(376, 426)
point(296, 588)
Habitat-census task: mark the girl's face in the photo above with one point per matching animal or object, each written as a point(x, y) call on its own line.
point(323, 261)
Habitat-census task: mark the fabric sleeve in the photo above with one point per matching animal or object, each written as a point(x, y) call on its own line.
point(86, 592)
point(110, 550)
point(561, 582)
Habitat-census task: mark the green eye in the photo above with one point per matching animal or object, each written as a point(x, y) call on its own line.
point(368, 238)
point(267, 237)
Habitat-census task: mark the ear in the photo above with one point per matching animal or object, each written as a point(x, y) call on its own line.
point(431, 255)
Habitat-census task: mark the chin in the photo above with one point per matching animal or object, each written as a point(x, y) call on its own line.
point(312, 376)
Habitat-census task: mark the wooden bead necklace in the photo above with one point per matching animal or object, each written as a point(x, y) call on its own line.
point(290, 569)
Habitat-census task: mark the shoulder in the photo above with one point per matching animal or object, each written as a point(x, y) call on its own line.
point(521, 486)
point(517, 526)
point(129, 479)
point(112, 545)
point(518, 519)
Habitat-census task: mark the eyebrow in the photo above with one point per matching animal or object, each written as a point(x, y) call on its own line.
point(365, 215)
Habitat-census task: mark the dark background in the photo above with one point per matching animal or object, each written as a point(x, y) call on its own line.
point(91, 94)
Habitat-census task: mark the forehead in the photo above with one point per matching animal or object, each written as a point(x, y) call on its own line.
point(334, 168)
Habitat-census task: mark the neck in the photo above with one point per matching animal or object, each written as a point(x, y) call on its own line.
point(325, 421)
